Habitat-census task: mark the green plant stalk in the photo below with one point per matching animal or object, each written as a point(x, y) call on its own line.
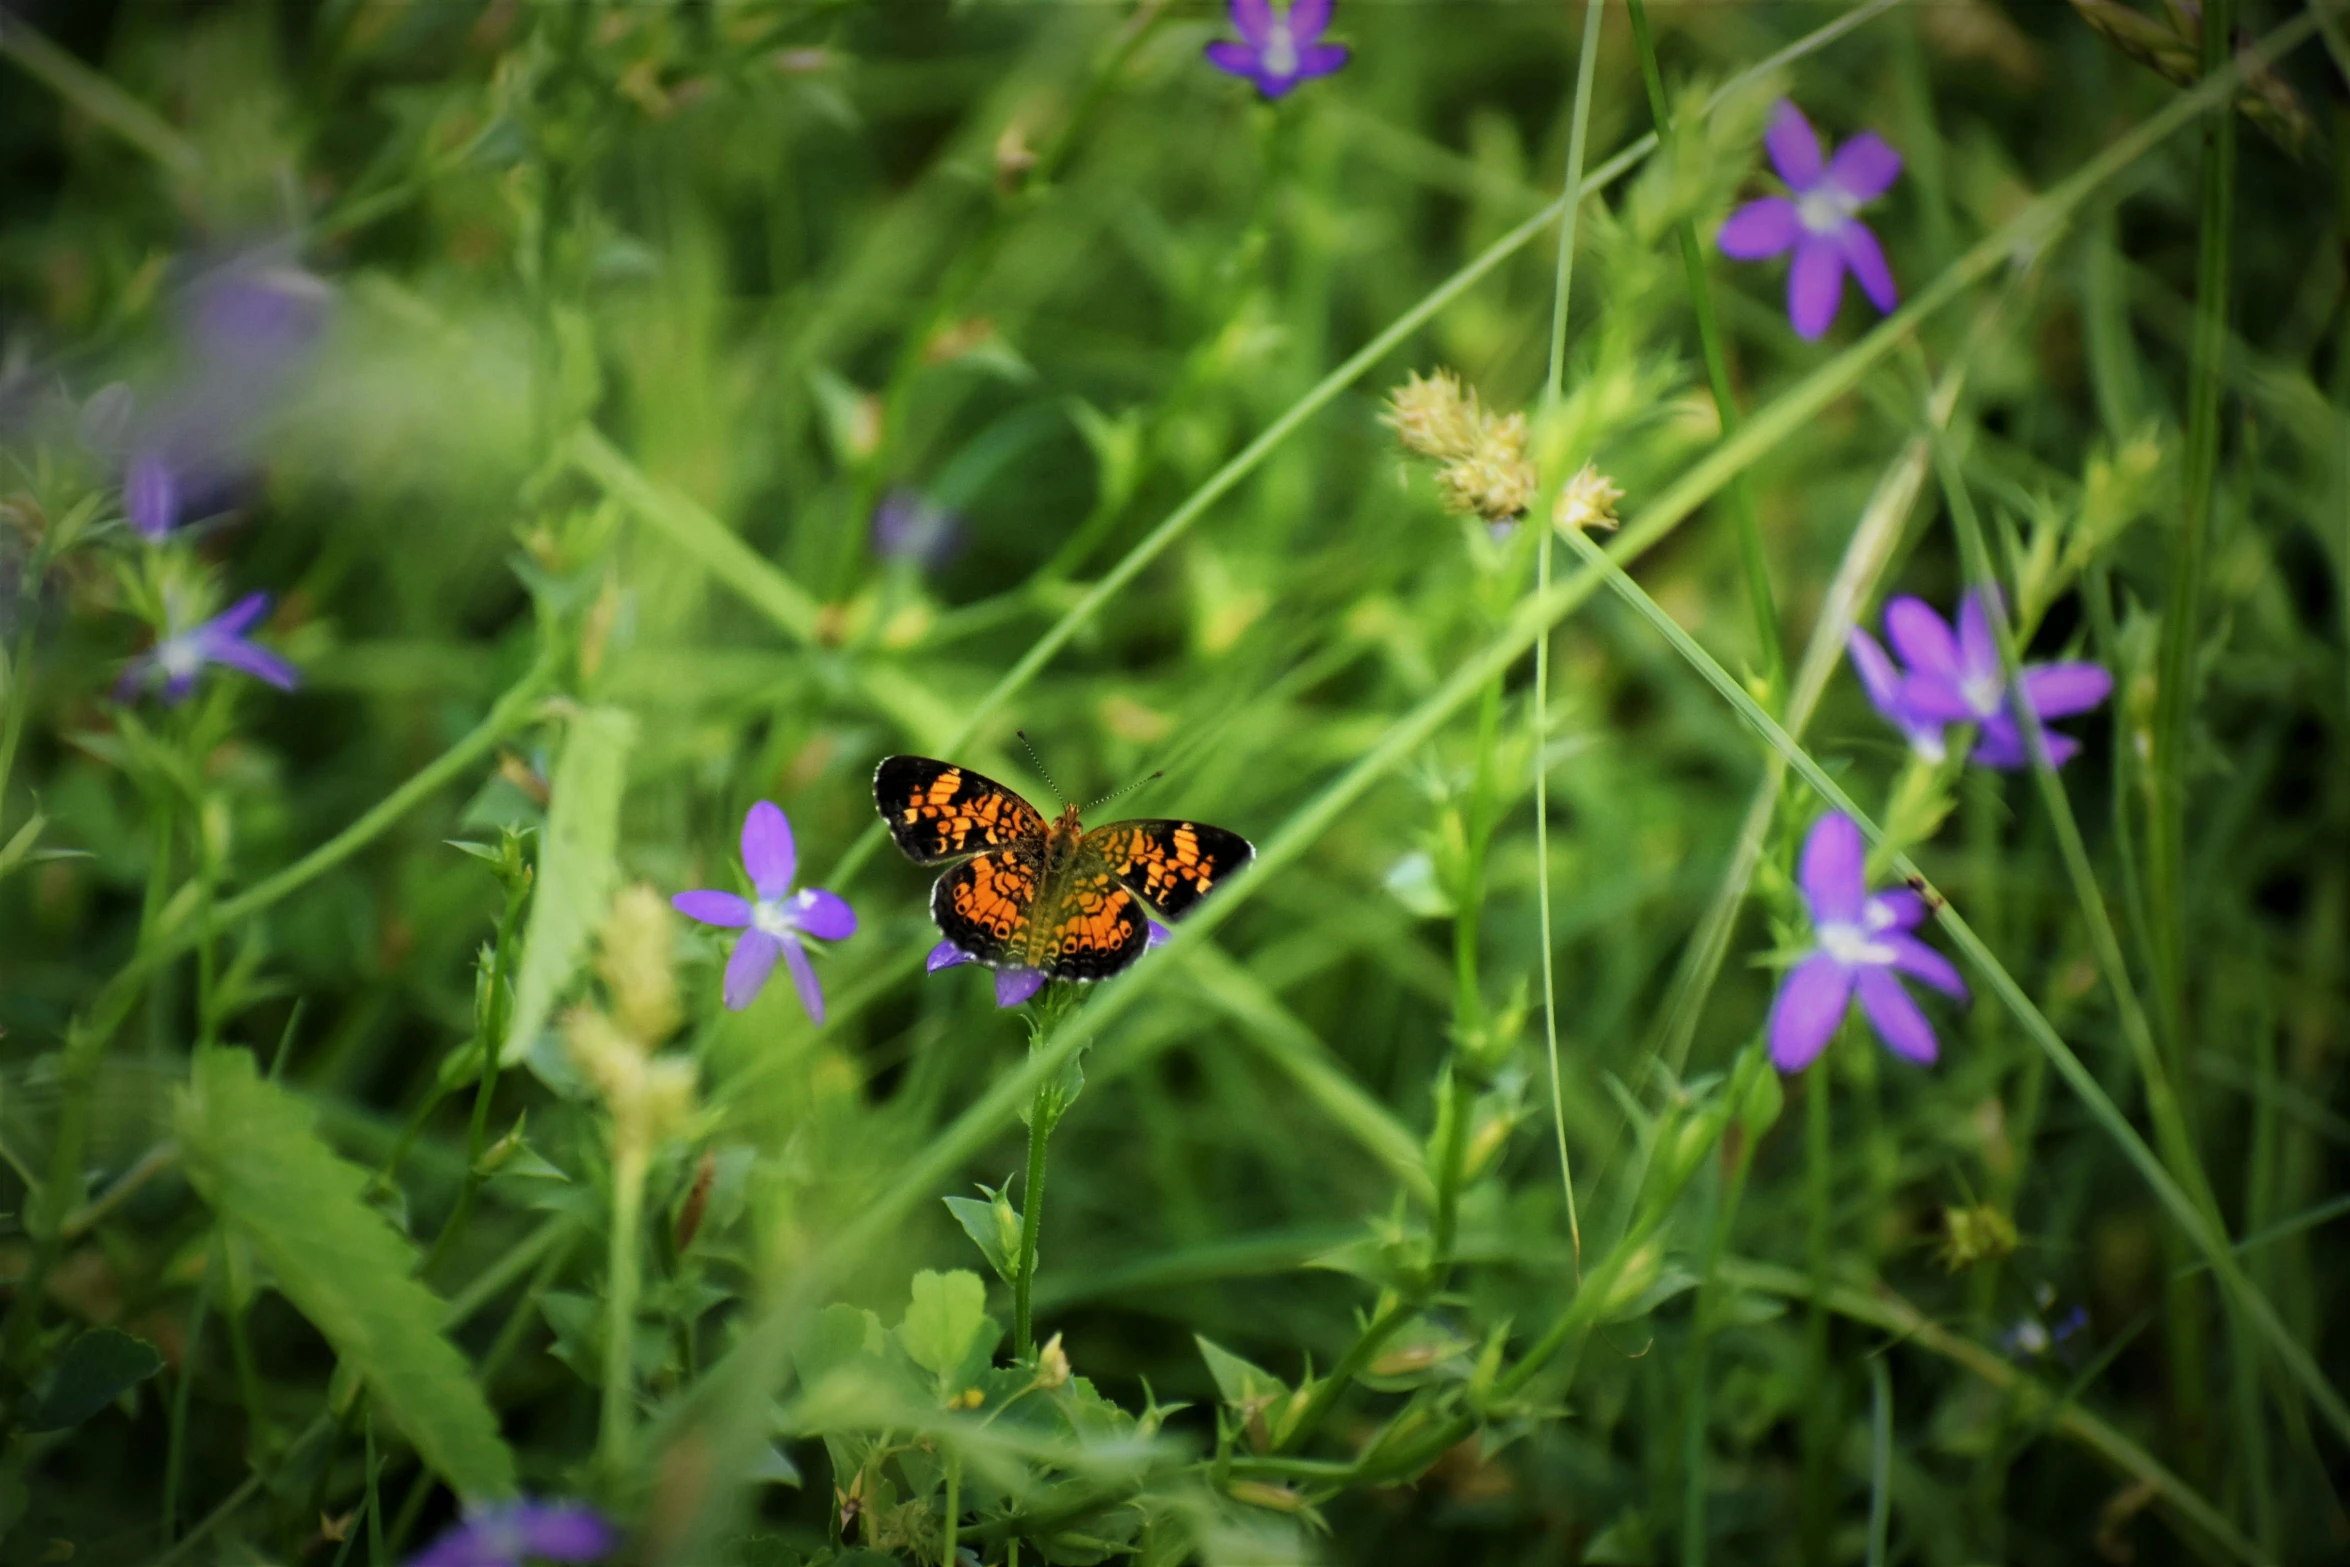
point(759, 1361)
point(1043, 1112)
point(1695, 1415)
point(1880, 1458)
point(1819, 1192)
point(1717, 375)
point(16, 684)
point(98, 97)
point(630, 1158)
point(496, 1015)
point(954, 1510)
point(175, 1450)
point(2183, 1209)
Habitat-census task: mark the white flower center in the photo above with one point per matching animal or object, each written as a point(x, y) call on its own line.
point(1850, 945)
point(179, 657)
point(775, 917)
point(1824, 209)
point(1280, 53)
point(1981, 693)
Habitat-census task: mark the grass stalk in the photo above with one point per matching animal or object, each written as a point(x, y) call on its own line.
point(614, 1426)
point(1042, 1112)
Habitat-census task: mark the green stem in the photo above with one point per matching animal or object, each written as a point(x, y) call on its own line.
point(629, 1161)
point(1818, 1419)
point(1701, 1325)
point(1717, 375)
point(954, 1510)
point(1880, 1458)
point(1042, 1113)
point(175, 1451)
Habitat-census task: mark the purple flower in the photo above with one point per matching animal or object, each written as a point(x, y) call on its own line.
point(510, 1533)
point(1278, 52)
point(150, 494)
point(1863, 941)
point(906, 527)
point(1954, 678)
point(182, 654)
point(1816, 220)
point(1015, 984)
point(1882, 680)
point(774, 925)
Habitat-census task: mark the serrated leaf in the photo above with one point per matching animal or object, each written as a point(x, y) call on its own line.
point(576, 868)
point(947, 1331)
point(254, 1158)
point(96, 1369)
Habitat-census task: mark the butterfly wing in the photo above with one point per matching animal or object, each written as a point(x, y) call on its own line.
point(1170, 865)
point(939, 812)
point(1096, 927)
point(986, 906)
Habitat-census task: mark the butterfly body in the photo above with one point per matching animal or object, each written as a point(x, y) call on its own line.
point(1026, 892)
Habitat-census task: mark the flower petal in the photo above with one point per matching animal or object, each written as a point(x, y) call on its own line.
point(1815, 286)
point(768, 852)
point(1320, 60)
point(150, 495)
point(803, 975)
point(1922, 638)
point(1898, 909)
point(1864, 168)
point(238, 618)
point(1866, 258)
point(1015, 985)
point(1921, 962)
point(747, 970)
point(1878, 677)
point(1795, 149)
point(1834, 870)
point(1254, 19)
point(1896, 1017)
point(176, 689)
point(1307, 19)
point(1160, 935)
point(1811, 1003)
point(825, 914)
point(1999, 744)
point(2060, 690)
point(1758, 229)
point(259, 662)
point(565, 1532)
point(713, 908)
point(946, 955)
point(1936, 697)
point(1239, 59)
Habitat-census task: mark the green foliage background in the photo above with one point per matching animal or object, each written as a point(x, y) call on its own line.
point(632, 315)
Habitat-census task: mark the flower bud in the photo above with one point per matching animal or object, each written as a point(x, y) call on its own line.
point(1433, 416)
point(1587, 502)
point(1052, 1365)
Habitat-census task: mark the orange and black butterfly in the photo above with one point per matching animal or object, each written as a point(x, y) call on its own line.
point(1045, 897)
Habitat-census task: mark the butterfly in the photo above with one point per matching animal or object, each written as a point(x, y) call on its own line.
point(1025, 893)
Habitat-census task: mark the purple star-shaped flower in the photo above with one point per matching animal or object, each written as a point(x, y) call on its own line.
point(1015, 984)
point(773, 925)
point(511, 1533)
point(1863, 942)
point(1278, 51)
point(1955, 678)
point(1816, 220)
point(1881, 678)
point(182, 654)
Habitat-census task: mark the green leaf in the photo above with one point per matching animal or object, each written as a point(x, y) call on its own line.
point(994, 1226)
point(1244, 1384)
point(576, 868)
point(947, 1331)
point(96, 1369)
point(254, 1157)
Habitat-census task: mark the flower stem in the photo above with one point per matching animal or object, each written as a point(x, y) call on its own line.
point(629, 1160)
point(1819, 1426)
point(1717, 375)
point(1042, 1113)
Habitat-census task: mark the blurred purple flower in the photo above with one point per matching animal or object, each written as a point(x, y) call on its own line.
point(2030, 1337)
point(246, 328)
point(1816, 220)
point(1954, 678)
point(1882, 680)
point(182, 654)
point(773, 925)
point(1278, 51)
point(906, 527)
point(511, 1533)
point(1016, 984)
point(1863, 942)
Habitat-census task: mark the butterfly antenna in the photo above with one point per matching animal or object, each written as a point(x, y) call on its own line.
point(1039, 761)
point(1129, 789)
